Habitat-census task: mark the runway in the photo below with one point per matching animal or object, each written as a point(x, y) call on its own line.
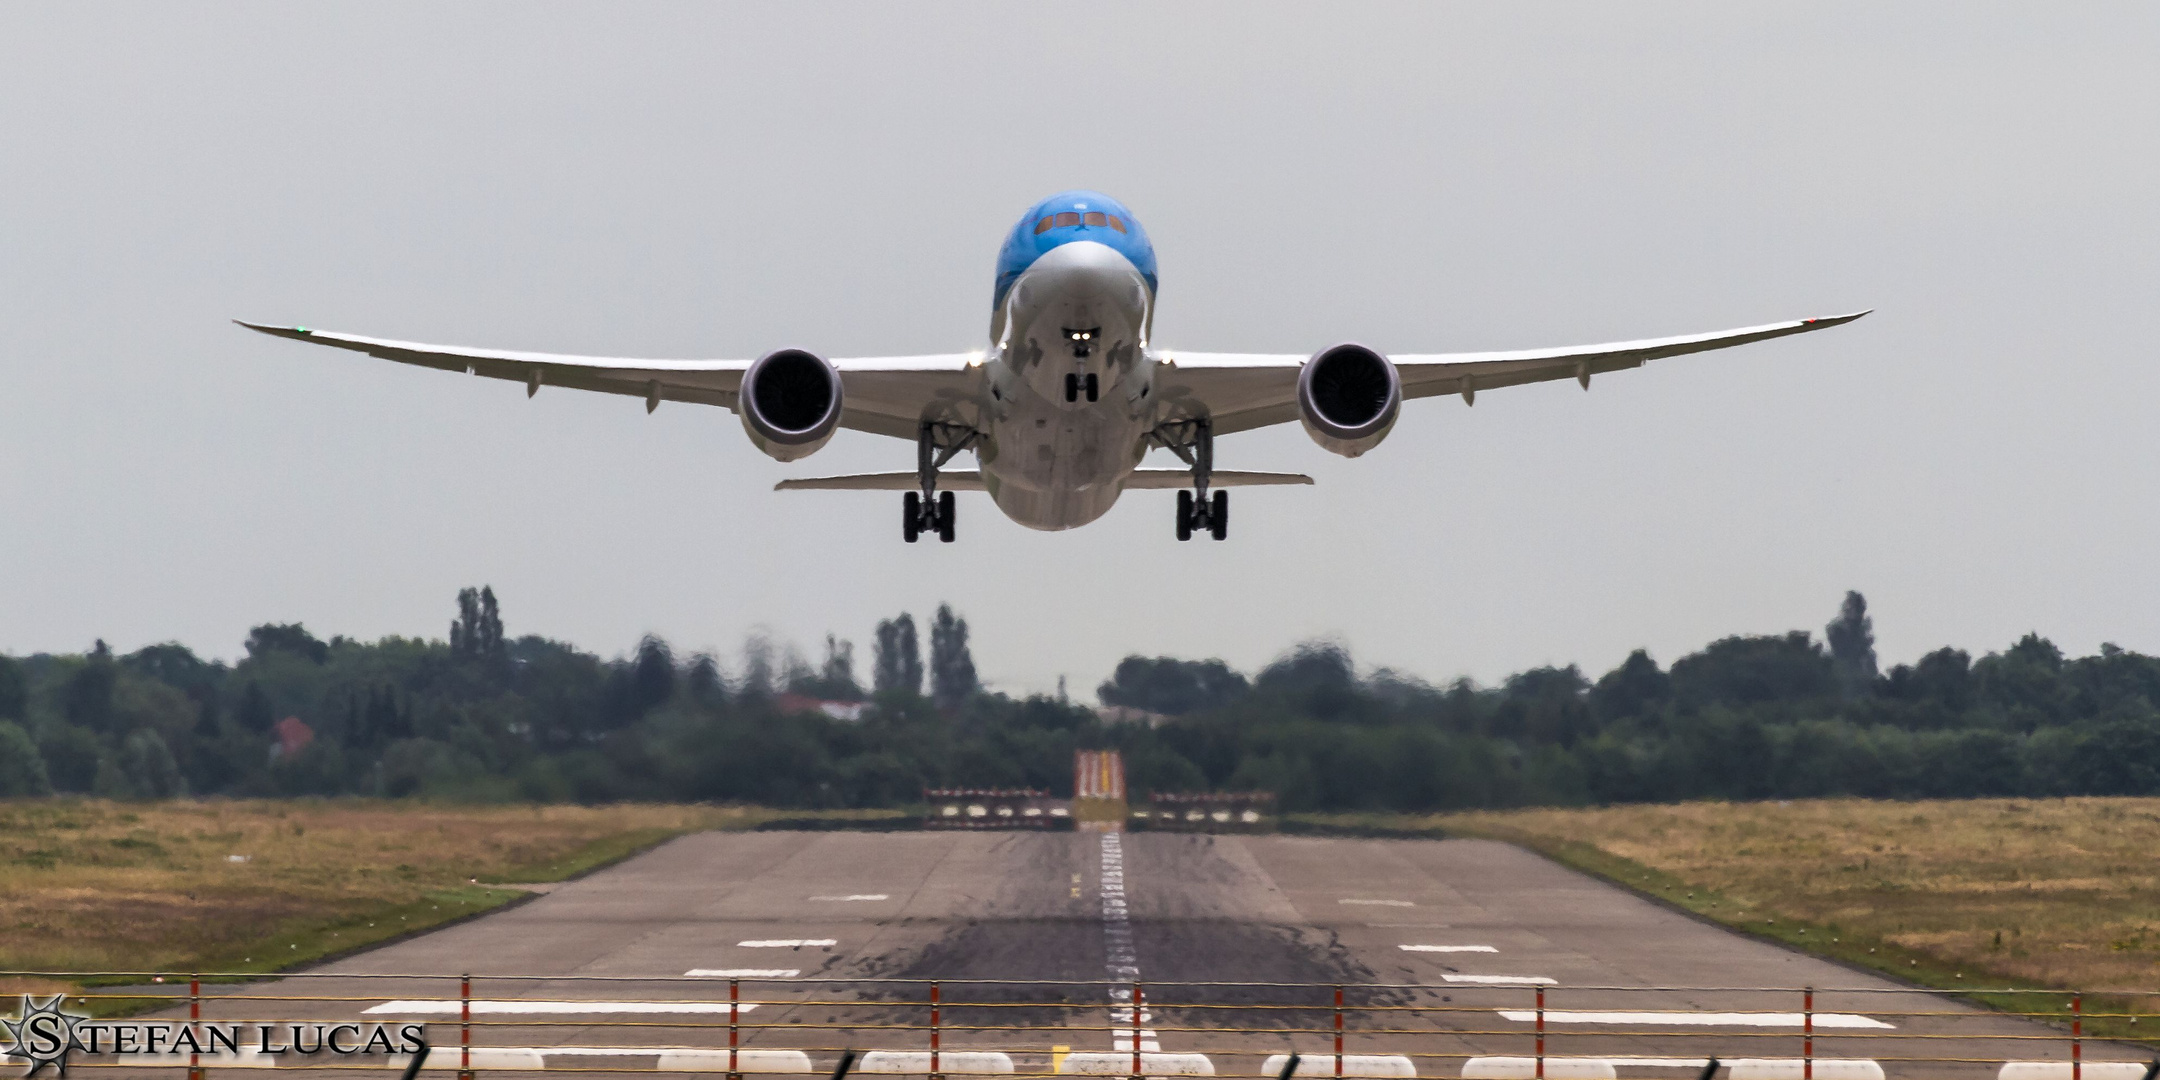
point(1442, 948)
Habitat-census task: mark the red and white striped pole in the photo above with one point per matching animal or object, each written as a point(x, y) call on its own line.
point(464, 1035)
point(1807, 1034)
point(1540, 1033)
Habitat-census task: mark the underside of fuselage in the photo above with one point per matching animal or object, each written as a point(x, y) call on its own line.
point(1069, 388)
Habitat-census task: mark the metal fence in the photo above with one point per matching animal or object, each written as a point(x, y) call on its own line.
point(751, 1022)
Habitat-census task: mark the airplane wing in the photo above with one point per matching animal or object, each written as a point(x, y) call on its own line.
point(1242, 391)
point(883, 395)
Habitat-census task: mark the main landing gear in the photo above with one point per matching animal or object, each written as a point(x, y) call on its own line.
point(931, 510)
point(1193, 441)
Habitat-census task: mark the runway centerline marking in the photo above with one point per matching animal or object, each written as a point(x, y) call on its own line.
point(742, 973)
point(1379, 903)
point(854, 896)
point(452, 1006)
point(1120, 960)
point(1447, 948)
point(1699, 1019)
point(785, 943)
point(1501, 980)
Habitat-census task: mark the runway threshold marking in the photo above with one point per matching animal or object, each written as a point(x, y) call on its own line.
point(1447, 948)
point(451, 1007)
point(786, 943)
point(1501, 980)
point(854, 896)
point(1699, 1019)
point(742, 973)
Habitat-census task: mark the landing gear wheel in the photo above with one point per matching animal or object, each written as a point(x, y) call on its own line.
point(1184, 515)
point(1219, 520)
point(911, 520)
point(945, 517)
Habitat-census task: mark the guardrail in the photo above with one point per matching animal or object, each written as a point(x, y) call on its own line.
point(758, 1022)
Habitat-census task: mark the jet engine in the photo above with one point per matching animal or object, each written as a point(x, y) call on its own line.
point(1348, 396)
point(790, 403)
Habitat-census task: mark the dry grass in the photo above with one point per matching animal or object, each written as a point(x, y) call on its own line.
point(100, 886)
point(2061, 893)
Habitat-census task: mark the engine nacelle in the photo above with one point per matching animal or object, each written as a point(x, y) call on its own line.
point(790, 403)
point(1348, 396)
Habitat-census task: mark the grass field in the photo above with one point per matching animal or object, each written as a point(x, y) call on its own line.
point(2058, 893)
point(248, 886)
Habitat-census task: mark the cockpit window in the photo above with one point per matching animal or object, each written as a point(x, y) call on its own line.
point(1068, 219)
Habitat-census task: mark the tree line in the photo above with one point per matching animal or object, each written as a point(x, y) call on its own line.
point(485, 716)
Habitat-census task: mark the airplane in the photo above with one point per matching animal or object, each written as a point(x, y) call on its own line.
point(1072, 392)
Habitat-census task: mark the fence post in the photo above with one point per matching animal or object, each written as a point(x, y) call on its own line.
point(2077, 1037)
point(1541, 1033)
point(935, 1074)
point(1807, 1034)
point(194, 1013)
point(1136, 999)
point(734, 1010)
point(464, 1035)
point(1338, 1029)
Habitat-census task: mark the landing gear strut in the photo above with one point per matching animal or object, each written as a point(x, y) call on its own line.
point(932, 510)
point(1193, 441)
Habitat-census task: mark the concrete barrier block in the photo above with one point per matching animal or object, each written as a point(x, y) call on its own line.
point(1151, 1064)
point(1524, 1068)
point(749, 1061)
point(917, 1062)
point(1795, 1068)
point(1323, 1065)
point(521, 1058)
point(2060, 1070)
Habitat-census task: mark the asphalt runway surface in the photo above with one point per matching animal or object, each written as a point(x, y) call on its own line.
point(1413, 930)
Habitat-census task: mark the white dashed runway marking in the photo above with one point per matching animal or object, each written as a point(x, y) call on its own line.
point(451, 1007)
point(1501, 980)
point(742, 973)
point(786, 943)
point(1701, 1019)
point(1447, 948)
point(1379, 903)
point(854, 896)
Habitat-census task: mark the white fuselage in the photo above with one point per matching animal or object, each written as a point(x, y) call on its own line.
point(1082, 311)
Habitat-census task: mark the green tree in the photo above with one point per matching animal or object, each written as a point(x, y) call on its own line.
point(290, 638)
point(70, 756)
point(22, 768)
point(952, 666)
point(14, 689)
point(1852, 646)
point(898, 663)
point(1171, 686)
point(87, 700)
point(148, 763)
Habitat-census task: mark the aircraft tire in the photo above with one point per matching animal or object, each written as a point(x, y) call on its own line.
point(1219, 521)
point(911, 517)
point(945, 503)
point(1184, 515)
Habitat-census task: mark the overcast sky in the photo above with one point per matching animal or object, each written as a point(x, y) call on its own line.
point(717, 180)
